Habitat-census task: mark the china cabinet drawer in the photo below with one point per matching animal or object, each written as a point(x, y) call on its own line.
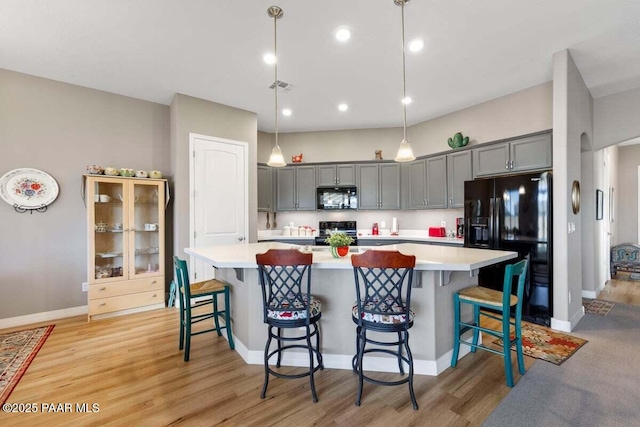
point(124, 302)
point(126, 287)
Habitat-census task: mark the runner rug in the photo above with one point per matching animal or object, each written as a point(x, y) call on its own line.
point(17, 350)
point(546, 344)
point(596, 306)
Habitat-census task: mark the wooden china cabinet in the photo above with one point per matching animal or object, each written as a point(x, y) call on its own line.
point(125, 233)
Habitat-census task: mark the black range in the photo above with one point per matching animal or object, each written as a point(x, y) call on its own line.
point(325, 228)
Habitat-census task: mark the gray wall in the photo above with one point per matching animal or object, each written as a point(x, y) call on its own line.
point(627, 193)
point(616, 118)
point(572, 117)
point(520, 113)
point(61, 128)
point(193, 115)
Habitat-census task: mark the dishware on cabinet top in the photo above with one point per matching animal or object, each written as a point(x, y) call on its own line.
point(127, 172)
point(95, 169)
point(142, 174)
point(111, 171)
point(155, 174)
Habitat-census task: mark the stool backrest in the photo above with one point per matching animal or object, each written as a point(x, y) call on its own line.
point(383, 280)
point(285, 280)
point(182, 280)
point(512, 271)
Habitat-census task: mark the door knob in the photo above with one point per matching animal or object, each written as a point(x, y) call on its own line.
point(240, 239)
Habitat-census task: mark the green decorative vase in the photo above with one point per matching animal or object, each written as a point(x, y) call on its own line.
point(339, 251)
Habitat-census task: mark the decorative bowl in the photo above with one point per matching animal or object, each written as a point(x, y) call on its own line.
point(142, 174)
point(95, 169)
point(111, 171)
point(155, 174)
point(128, 172)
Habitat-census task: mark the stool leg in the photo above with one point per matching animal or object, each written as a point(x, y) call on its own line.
point(215, 313)
point(317, 332)
point(400, 341)
point(362, 340)
point(476, 331)
point(354, 361)
point(266, 363)
point(311, 380)
point(410, 357)
point(506, 346)
point(227, 317)
point(279, 347)
point(456, 330)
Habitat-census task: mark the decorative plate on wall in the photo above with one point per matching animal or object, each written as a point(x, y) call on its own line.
point(28, 188)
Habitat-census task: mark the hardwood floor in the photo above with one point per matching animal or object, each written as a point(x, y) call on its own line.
point(132, 368)
point(621, 289)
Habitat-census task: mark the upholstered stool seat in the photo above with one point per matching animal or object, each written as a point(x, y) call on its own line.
point(396, 316)
point(315, 309)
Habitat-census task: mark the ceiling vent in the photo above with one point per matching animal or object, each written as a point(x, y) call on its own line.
point(282, 85)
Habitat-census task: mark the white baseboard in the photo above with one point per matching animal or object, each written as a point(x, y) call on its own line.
point(589, 294)
point(43, 317)
point(342, 361)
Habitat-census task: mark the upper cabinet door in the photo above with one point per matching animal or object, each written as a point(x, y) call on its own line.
point(327, 175)
point(390, 186)
point(368, 197)
point(265, 202)
point(146, 224)
point(417, 185)
point(459, 170)
point(531, 153)
point(346, 174)
point(491, 160)
point(436, 182)
point(286, 188)
point(305, 188)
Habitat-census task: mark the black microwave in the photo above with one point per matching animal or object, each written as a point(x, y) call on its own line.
point(330, 198)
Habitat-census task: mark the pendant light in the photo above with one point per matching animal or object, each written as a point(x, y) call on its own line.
point(405, 153)
point(276, 159)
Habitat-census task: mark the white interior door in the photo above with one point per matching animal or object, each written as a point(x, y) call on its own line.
point(219, 196)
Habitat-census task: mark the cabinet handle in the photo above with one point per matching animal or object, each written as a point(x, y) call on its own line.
point(424, 202)
point(102, 304)
point(506, 164)
point(511, 164)
point(103, 288)
point(450, 201)
point(427, 202)
point(154, 295)
point(154, 282)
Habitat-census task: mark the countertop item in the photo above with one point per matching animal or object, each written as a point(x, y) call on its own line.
point(364, 235)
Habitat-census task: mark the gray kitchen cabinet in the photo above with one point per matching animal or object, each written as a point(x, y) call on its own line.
point(379, 186)
point(436, 168)
point(265, 192)
point(296, 188)
point(518, 155)
point(329, 175)
point(459, 170)
point(377, 242)
point(417, 185)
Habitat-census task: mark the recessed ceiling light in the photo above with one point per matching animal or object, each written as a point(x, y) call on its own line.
point(343, 34)
point(343, 107)
point(407, 100)
point(286, 112)
point(269, 58)
point(416, 45)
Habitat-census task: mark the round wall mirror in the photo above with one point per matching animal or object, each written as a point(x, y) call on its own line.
point(575, 197)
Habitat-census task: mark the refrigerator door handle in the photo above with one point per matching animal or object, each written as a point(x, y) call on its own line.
point(496, 228)
point(492, 209)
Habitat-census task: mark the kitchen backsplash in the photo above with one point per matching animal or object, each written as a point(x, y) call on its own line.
point(413, 220)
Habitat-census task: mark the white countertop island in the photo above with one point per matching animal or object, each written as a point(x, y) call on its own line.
point(440, 272)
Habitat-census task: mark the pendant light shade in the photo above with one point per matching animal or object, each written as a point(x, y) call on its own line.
point(276, 159)
point(405, 153)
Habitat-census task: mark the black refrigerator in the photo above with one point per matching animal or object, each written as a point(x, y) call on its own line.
point(513, 213)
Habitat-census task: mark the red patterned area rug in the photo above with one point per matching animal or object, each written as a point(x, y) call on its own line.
point(17, 351)
point(546, 344)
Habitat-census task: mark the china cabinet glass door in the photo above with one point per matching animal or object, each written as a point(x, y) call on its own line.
point(147, 228)
point(110, 230)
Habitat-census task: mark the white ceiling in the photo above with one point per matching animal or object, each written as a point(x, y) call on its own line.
point(212, 49)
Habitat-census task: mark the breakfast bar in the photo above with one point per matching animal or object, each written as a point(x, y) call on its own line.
point(439, 272)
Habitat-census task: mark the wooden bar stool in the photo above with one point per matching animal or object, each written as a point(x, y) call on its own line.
point(209, 290)
point(287, 303)
point(383, 290)
point(480, 297)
